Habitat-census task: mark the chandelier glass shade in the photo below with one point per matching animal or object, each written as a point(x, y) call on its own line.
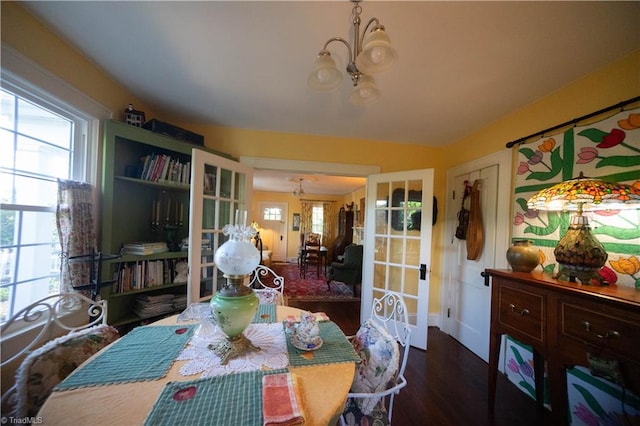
point(365, 92)
point(579, 253)
point(369, 53)
point(325, 74)
point(377, 55)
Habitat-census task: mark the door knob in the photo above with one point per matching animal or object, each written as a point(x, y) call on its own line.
point(486, 276)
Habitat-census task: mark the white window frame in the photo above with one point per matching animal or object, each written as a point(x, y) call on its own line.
point(28, 80)
point(314, 215)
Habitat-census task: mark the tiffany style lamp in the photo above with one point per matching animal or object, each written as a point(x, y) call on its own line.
point(579, 254)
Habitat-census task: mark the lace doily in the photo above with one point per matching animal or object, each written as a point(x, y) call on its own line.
point(270, 338)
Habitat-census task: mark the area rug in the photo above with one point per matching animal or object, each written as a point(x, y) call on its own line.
point(311, 288)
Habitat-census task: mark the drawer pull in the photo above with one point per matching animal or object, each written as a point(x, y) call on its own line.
point(610, 333)
point(521, 312)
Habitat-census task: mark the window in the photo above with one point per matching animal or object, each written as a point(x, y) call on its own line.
point(272, 213)
point(41, 139)
point(317, 220)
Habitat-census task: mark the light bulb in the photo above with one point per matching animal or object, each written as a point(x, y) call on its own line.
point(364, 93)
point(378, 55)
point(323, 75)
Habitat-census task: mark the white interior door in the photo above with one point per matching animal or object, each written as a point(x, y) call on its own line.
point(273, 231)
point(219, 188)
point(467, 295)
point(397, 248)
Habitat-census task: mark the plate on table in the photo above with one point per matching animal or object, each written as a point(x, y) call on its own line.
point(314, 344)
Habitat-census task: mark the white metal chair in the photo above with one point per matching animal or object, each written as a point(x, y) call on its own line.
point(268, 286)
point(386, 331)
point(82, 325)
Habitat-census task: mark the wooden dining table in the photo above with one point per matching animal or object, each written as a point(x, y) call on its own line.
point(323, 255)
point(323, 390)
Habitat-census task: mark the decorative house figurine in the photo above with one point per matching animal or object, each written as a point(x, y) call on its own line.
point(133, 117)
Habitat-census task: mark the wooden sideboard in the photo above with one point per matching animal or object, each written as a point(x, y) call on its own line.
point(566, 324)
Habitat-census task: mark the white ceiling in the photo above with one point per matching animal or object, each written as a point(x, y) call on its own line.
point(461, 66)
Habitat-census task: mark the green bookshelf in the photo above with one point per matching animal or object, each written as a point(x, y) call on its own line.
point(135, 207)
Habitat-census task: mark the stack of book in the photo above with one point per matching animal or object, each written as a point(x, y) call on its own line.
point(146, 306)
point(144, 248)
point(163, 168)
point(180, 302)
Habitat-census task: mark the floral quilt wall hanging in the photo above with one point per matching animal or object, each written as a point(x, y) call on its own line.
point(609, 150)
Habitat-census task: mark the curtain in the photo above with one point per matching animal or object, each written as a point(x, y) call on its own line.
point(76, 232)
point(609, 150)
point(305, 217)
point(328, 221)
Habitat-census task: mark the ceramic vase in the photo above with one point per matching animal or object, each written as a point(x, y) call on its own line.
point(523, 256)
point(234, 313)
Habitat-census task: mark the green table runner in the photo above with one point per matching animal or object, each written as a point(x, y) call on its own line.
point(145, 353)
point(266, 314)
point(335, 348)
point(230, 400)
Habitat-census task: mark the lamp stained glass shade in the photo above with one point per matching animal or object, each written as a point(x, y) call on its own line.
point(587, 193)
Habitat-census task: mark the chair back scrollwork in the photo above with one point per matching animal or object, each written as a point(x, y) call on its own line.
point(265, 283)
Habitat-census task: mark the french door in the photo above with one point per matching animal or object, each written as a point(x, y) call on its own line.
point(397, 248)
point(220, 194)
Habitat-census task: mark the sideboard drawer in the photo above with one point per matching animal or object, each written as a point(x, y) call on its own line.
point(617, 332)
point(522, 312)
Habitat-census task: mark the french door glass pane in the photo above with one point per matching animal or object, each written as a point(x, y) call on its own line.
point(381, 249)
point(208, 213)
point(412, 252)
point(225, 183)
point(395, 250)
point(239, 186)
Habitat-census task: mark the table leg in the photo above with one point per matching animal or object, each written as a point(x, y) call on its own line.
point(557, 376)
point(538, 375)
point(494, 352)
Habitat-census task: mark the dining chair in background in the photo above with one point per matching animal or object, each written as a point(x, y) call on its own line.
point(382, 342)
point(311, 258)
point(268, 286)
point(44, 361)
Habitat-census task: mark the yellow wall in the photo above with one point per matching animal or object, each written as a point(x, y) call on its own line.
point(34, 40)
point(614, 83)
point(293, 203)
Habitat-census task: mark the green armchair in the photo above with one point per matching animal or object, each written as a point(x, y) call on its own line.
point(349, 271)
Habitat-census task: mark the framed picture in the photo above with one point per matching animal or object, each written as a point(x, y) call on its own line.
point(295, 225)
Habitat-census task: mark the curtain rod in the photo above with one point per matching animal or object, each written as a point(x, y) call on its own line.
point(574, 121)
point(319, 201)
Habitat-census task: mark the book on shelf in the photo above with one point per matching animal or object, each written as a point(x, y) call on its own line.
point(141, 274)
point(144, 248)
point(164, 169)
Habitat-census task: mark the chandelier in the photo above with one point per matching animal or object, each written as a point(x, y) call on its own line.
point(368, 55)
point(299, 191)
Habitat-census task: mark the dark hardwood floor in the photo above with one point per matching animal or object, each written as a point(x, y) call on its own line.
point(447, 383)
